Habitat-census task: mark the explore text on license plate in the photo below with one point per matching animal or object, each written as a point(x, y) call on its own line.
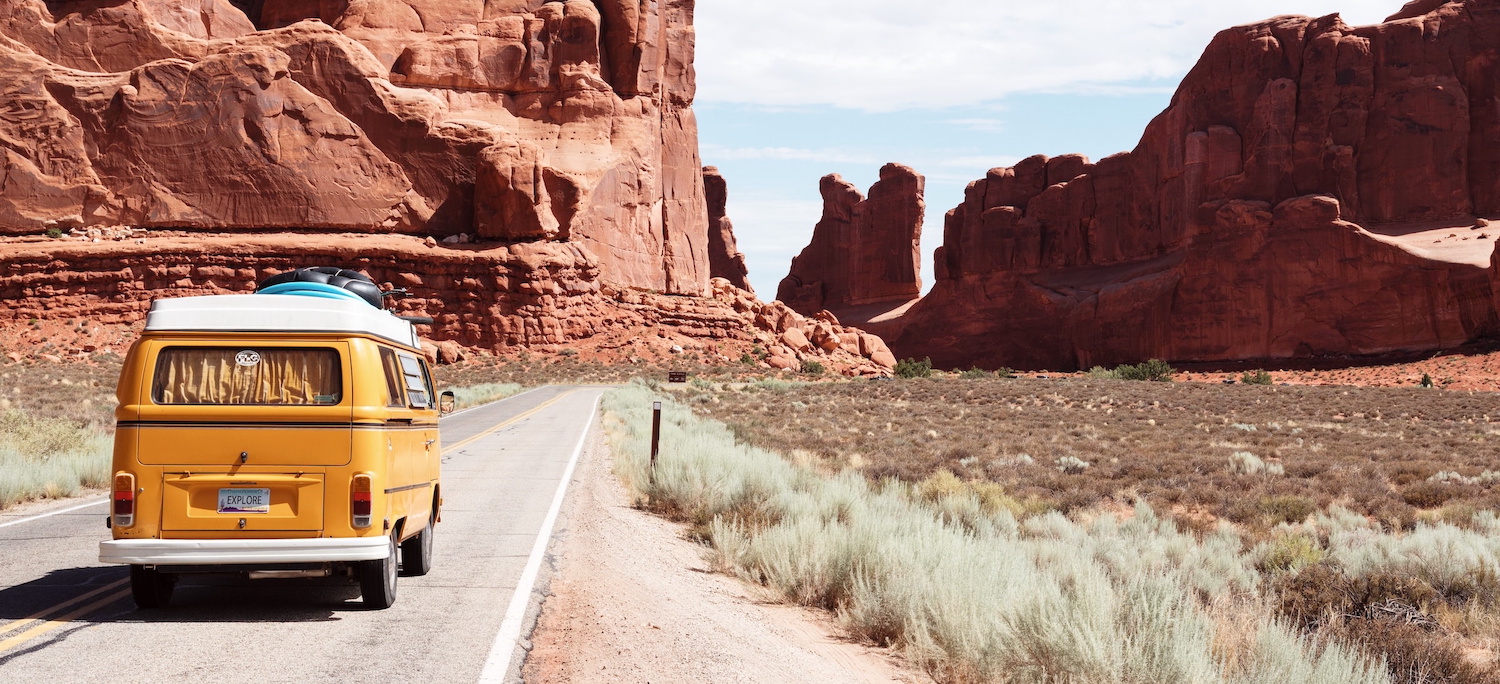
point(244, 500)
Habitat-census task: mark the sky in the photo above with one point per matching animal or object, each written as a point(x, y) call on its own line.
point(792, 90)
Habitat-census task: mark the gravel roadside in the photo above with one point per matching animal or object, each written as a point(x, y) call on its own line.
point(633, 601)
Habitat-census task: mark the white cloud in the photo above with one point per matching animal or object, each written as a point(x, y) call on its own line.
point(713, 152)
point(982, 125)
point(883, 55)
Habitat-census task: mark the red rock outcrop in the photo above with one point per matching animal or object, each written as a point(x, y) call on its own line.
point(863, 251)
point(539, 295)
point(724, 257)
point(1313, 189)
point(558, 121)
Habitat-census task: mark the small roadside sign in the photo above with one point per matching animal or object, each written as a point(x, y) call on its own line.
point(677, 376)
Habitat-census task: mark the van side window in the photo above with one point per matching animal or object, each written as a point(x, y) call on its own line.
point(394, 381)
point(241, 376)
point(427, 376)
point(416, 386)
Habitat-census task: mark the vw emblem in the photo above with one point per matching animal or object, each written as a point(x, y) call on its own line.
point(247, 358)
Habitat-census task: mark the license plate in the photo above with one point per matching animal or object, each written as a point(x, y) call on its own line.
point(245, 501)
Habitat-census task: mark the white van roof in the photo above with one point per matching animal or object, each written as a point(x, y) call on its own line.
point(277, 313)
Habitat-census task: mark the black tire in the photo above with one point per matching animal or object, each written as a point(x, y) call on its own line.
point(377, 579)
point(151, 588)
point(353, 281)
point(416, 553)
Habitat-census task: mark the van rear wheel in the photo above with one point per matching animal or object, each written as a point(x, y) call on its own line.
point(151, 588)
point(416, 553)
point(377, 579)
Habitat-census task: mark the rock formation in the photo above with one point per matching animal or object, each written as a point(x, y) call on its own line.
point(724, 257)
point(1314, 189)
point(863, 251)
point(516, 121)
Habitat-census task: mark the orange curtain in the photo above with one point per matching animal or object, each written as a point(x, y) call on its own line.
point(200, 375)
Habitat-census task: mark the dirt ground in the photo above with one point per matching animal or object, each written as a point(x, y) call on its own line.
point(633, 601)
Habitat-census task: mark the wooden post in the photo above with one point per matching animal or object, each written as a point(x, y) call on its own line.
point(655, 437)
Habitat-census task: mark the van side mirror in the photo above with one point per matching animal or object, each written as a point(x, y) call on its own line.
point(447, 402)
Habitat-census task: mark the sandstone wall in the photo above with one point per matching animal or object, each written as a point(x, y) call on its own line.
point(508, 121)
point(863, 251)
point(724, 257)
point(1314, 189)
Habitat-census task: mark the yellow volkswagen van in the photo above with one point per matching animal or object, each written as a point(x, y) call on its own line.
point(274, 435)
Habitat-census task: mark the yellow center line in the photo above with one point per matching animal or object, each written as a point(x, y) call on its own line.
point(45, 611)
point(54, 623)
point(489, 431)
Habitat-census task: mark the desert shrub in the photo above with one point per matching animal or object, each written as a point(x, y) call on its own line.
point(970, 595)
point(1256, 377)
point(49, 458)
point(747, 359)
point(975, 373)
point(484, 393)
point(1414, 654)
point(54, 232)
point(1005, 372)
point(1483, 479)
point(812, 367)
point(1246, 463)
point(1102, 373)
point(1461, 565)
point(772, 385)
point(1154, 370)
point(912, 368)
point(1428, 494)
point(1288, 553)
point(945, 490)
point(1286, 508)
point(1072, 465)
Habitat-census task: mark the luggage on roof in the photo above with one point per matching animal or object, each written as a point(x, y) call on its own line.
point(329, 282)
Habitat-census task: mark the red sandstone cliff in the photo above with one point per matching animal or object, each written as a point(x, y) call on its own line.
point(1313, 189)
point(724, 257)
point(560, 121)
point(864, 251)
point(529, 168)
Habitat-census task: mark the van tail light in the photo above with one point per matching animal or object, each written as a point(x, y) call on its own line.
point(124, 500)
point(360, 501)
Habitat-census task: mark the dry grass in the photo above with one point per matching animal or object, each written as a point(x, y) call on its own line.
point(1369, 511)
point(48, 458)
point(72, 392)
point(944, 571)
point(1257, 456)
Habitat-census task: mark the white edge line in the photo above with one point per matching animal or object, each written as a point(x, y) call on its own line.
point(497, 664)
point(57, 512)
point(491, 403)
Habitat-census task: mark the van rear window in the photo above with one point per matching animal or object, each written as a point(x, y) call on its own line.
point(236, 376)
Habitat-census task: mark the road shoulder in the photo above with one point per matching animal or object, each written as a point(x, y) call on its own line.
point(633, 601)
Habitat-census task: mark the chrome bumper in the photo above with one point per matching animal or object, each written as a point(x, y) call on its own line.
point(241, 551)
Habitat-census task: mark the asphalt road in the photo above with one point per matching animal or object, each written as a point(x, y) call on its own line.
point(66, 617)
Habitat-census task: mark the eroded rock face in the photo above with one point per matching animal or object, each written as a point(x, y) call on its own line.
point(1314, 189)
point(724, 257)
point(514, 121)
point(863, 251)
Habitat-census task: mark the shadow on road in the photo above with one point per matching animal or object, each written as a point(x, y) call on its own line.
point(198, 598)
point(24, 600)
